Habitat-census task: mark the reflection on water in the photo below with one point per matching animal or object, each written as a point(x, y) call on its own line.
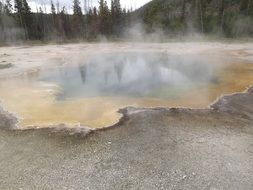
point(92, 90)
point(131, 75)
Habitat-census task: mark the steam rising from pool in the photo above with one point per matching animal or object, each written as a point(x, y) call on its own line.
point(135, 75)
point(87, 88)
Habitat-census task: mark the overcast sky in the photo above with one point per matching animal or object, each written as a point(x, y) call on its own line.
point(68, 3)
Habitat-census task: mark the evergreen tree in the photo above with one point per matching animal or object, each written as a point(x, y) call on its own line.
point(116, 16)
point(27, 9)
point(94, 23)
point(28, 20)
point(104, 18)
point(18, 6)
point(53, 10)
point(24, 17)
point(77, 18)
point(1, 15)
point(77, 8)
point(8, 7)
point(64, 25)
point(227, 17)
point(1, 7)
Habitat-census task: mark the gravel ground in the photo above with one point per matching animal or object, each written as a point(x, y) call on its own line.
point(149, 149)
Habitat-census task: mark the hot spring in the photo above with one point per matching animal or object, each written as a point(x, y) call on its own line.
point(88, 89)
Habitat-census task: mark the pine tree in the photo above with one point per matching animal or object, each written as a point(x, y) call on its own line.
point(94, 23)
point(24, 17)
point(18, 9)
point(77, 18)
point(183, 15)
point(221, 15)
point(104, 18)
point(53, 10)
point(1, 15)
point(77, 8)
point(65, 25)
point(117, 21)
point(18, 6)
point(41, 25)
point(53, 27)
point(2, 26)
point(8, 7)
point(27, 9)
point(244, 7)
point(28, 20)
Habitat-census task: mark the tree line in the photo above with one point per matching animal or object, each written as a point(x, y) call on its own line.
point(229, 18)
point(19, 22)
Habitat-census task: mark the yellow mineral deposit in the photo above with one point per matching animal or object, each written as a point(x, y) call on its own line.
point(36, 104)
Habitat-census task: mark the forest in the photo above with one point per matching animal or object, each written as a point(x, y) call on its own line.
point(226, 18)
